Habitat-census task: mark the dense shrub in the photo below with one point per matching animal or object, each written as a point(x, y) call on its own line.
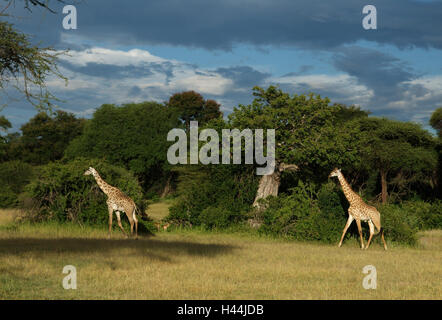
point(216, 218)
point(61, 192)
point(14, 175)
point(402, 221)
point(428, 214)
point(206, 190)
point(333, 207)
point(305, 214)
point(8, 198)
point(398, 225)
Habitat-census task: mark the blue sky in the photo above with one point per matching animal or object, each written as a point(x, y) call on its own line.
point(131, 51)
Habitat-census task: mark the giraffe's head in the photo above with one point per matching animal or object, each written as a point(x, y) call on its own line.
point(90, 171)
point(335, 173)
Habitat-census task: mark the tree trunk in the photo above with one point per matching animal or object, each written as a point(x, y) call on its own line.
point(384, 192)
point(167, 188)
point(269, 184)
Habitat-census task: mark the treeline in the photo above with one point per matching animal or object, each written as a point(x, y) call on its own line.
point(392, 164)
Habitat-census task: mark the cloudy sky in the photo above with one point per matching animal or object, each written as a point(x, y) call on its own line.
point(137, 50)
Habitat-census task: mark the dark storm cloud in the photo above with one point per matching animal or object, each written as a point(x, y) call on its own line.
point(109, 71)
point(243, 76)
point(397, 91)
point(379, 71)
point(302, 70)
point(134, 91)
point(221, 24)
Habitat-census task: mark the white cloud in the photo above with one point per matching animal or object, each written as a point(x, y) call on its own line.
point(164, 75)
point(135, 57)
point(206, 84)
point(342, 84)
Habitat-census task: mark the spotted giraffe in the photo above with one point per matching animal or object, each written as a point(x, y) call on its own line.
point(117, 201)
point(359, 211)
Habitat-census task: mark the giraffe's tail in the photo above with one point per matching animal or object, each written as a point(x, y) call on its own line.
point(134, 214)
point(379, 231)
point(377, 223)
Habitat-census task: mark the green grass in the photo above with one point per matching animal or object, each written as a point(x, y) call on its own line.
point(196, 264)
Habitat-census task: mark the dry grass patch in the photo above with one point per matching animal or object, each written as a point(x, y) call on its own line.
point(8, 215)
point(197, 265)
point(159, 210)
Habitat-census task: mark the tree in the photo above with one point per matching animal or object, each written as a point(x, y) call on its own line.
point(24, 66)
point(191, 106)
point(309, 136)
point(4, 123)
point(436, 121)
point(400, 153)
point(4, 126)
point(45, 138)
point(210, 111)
point(132, 136)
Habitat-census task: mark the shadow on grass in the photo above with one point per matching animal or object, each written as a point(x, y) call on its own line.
point(148, 247)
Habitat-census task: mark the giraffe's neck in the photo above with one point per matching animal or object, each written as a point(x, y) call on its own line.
point(348, 192)
point(104, 186)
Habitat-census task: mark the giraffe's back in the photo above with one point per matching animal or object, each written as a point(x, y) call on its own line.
point(364, 212)
point(120, 201)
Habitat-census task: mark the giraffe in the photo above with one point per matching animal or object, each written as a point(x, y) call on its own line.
point(116, 201)
point(359, 211)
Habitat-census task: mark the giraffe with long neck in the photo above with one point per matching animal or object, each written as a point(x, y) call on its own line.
point(116, 201)
point(359, 211)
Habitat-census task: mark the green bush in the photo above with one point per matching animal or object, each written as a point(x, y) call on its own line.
point(305, 214)
point(14, 175)
point(426, 215)
point(62, 192)
point(402, 221)
point(206, 189)
point(398, 225)
point(333, 213)
point(216, 218)
point(8, 198)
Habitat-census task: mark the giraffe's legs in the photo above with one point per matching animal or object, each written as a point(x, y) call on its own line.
point(349, 221)
point(358, 223)
point(111, 211)
point(130, 213)
point(371, 225)
point(131, 227)
point(119, 222)
point(383, 240)
point(136, 223)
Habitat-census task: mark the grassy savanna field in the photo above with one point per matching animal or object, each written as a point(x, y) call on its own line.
point(193, 264)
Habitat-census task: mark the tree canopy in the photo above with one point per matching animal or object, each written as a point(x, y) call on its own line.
point(436, 121)
point(401, 153)
point(44, 138)
point(308, 130)
point(132, 136)
point(192, 106)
